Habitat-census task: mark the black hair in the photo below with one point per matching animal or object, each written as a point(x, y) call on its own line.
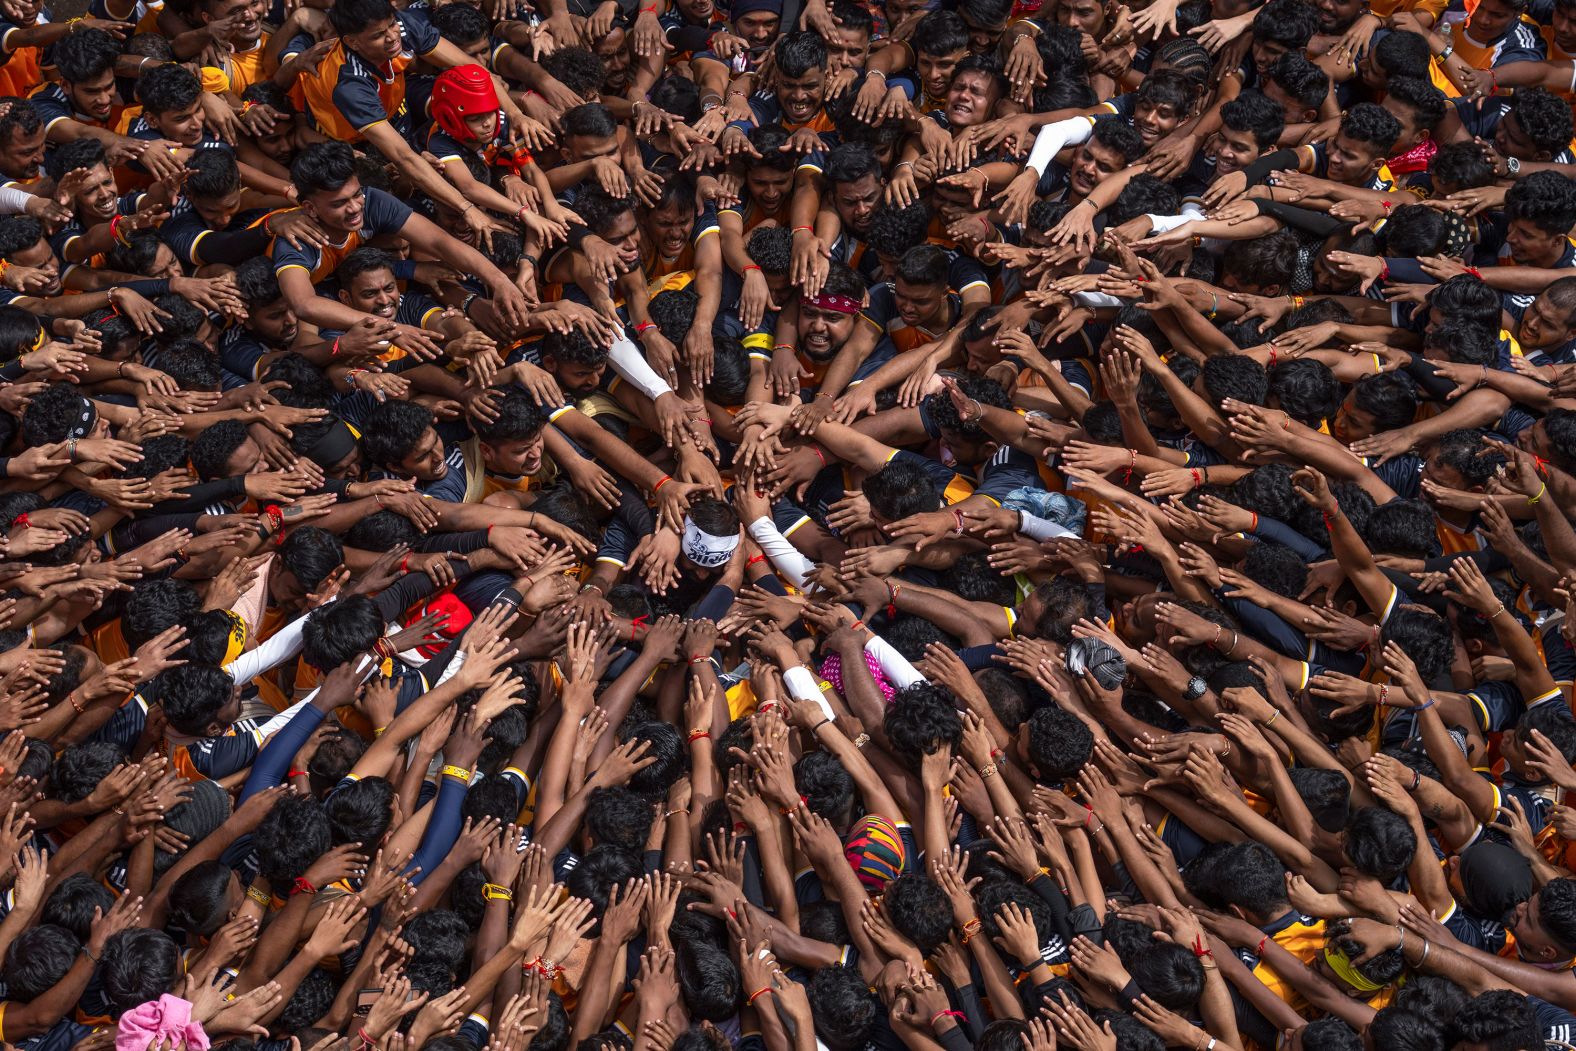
point(1402, 54)
point(311, 553)
point(519, 419)
point(1255, 113)
point(38, 959)
point(1544, 199)
point(166, 88)
point(392, 430)
point(919, 910)
point(850, 162)
point(799, 51)
point(1390, 397)
point(1290, 23)
point(155, 606)
point(354, 16)
point(460, 23)
point(618, 816)
point(901, 488)
point(1427, 102)
point(922, 717)
point(1306, 389)
point(360, 812)
point(940, 33)
point(1260, 262)
point(1424, 637)
point(944, 414)
point(137, 965)
point(73, 902)
point(323, 166)
point(844, 1007)
point(1545, 118)
point(79, 153)
point(85, 54)
point(1059, 744)
point(198, 898)
point(1498, 1020)
point(1303, 81)
point(337, 633)
point(1380, 843)
point(1235, 376)
point(1120, 137)
point(192, 696)
point(293, 835)
point(770, 248)
point(579, 68)
point(826, 784)
point(1169, 973)
point(592, 120)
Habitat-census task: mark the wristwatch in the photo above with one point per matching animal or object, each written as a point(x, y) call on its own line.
point(1195, 689)
point(1512, 165)
point(1450, 49)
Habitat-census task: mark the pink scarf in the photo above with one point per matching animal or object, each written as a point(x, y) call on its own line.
point(165, 1021)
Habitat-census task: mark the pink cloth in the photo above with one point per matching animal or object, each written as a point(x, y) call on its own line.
point(832, 672)
point(166, 1021)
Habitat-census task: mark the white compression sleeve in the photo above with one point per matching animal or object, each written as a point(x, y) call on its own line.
point(1053, 138)
point(630, 363)
point(280, 647)
point(893, 664)
point(13, 201)
point(1036, 528)
point(785, 557)
point(801, 684)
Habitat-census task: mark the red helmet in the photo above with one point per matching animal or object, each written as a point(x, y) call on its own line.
point(461, 92)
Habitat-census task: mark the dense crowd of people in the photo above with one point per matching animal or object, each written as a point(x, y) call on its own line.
point(630, 525)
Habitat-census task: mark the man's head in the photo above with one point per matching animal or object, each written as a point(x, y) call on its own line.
point(1540, 208)
point(1551, 319)
point(575, 361)
point(1279, 27)
point(589, 132)
point(1493, 19)
point(366, 283)
point(977, 85)
point(986, 21)
point(86, 61)
point(171, 97)
point(268, 313)
point(21, 140)
point(243, 17)
point(324, 175)
point(801, 75)
point(96, 197)
point(400, 438)
point(758, 22)
point(1250, 124)
point(856, 183)
point(1418, 106)
point(920, 287)
point(22, 242)
point(613, 220)
point(1110, 148)
point(512, 444)
point(827, 320)
point(1367, 136)
point(1545, 924)
point(940, 41)
point(368, 28)
point(1297, 86)
point(214, 187)
point(1537, 127)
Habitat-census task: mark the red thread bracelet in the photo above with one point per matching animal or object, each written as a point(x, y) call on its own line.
point(664, 481)
point(752, 266)
point(818, 455)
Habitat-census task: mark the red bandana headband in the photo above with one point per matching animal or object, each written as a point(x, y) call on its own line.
point(835, 303)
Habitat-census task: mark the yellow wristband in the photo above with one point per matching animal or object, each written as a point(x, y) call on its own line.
point(262, 898)
point(493, 892)
point(377, 731)
point(1532, 500)
point(459, 772)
